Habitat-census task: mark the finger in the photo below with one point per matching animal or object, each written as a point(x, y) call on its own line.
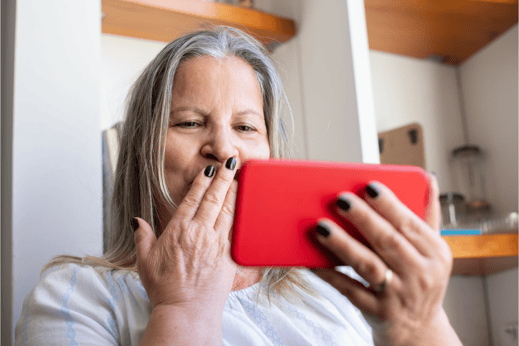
point(355, 291)
point(351, 252)
point(191, 202)
point(433, 213)
point(144, 239)
point(214, 197)
point(387, 242)
point(410, 225)
point(225, 219)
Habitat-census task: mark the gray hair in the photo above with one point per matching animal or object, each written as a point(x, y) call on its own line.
point(140, 183)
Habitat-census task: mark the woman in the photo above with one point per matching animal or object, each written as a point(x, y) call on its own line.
point(207, 103)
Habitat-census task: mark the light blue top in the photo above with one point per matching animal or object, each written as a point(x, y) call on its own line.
point(90, 306)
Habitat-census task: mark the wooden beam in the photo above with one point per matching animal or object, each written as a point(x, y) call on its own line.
point(483, 254)
point(509, 2)
point(453, 30)
point(165, 20)
point(486, 245)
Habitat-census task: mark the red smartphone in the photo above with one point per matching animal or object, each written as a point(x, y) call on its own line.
point(279, 202)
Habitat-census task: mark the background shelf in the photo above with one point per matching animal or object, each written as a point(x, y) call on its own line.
point(483, 254)
point(166, 20)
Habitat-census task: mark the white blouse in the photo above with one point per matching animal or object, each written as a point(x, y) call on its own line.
point(77, 305)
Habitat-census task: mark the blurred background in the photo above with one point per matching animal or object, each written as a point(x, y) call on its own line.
point(432, 83)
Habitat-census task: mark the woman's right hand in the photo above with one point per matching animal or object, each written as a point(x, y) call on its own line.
point(189, 265)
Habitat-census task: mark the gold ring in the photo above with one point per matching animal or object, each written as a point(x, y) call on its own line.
point(389, 276)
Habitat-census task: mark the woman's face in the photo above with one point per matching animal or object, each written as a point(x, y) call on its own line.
point(216, 113)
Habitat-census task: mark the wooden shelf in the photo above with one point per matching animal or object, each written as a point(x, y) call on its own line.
point(448, 30)
point(483, 254)
point(451, 31)
point(165, 20)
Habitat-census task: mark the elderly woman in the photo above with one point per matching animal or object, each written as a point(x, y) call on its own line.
point(207, 103)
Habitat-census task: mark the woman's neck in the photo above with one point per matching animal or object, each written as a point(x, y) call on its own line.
point(246, 277)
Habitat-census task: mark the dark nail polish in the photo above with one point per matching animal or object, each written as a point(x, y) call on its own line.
point(372, 191)
point(343, 203)
point(135, 224)
point(323, 229)
point(231, 163)
point(209, 171)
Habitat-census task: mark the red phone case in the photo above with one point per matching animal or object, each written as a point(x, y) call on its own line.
point(280, 201)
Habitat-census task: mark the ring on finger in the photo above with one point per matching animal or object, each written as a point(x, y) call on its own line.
point(387, 280)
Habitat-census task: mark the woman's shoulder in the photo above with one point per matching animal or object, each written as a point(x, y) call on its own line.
point(75, 300)
point(69, 272)
point(74, 276)
point(94, 285)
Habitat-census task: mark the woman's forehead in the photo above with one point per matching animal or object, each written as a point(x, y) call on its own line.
point(209, 80)
point(204, 67)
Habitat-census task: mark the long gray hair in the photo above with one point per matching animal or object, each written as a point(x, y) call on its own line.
point(140, 184)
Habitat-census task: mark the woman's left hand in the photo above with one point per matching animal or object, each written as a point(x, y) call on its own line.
point(408, 269)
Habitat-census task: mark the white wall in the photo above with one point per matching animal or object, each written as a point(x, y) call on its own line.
point(326, 79)
point(490, 90)
point(465, 306)
point(408, 90)
point(123, 59)
point(57, 140)
point(411, 90)
point(503, 302)
point(489, 79)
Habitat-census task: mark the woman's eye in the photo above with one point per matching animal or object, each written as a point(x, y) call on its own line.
point(188, 124)
point(245, 128)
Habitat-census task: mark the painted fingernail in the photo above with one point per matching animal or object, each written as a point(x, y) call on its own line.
point(323, 229)
point(343, 203)
point(135, 224)
point(231, 163)
point(209, 171)
point(372, 191)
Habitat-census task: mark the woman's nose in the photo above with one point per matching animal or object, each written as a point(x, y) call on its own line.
point(220, 145)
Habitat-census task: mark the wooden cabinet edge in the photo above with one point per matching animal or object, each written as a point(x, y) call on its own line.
point(483, 254)
point(164, 20)
point(483, 266)
point(482, 246)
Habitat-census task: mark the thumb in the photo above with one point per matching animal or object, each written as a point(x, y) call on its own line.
point(433, 215)
point(144, 237)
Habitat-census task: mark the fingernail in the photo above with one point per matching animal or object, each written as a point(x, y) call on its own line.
point(209, 171)
point(231, 163)
point(323, 229)
point(135, 224)
point(343, 203)
point(372, 191)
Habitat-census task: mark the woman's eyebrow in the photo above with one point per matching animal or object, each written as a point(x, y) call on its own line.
point(204, 113)
point(249, 111)
point(188, 109)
